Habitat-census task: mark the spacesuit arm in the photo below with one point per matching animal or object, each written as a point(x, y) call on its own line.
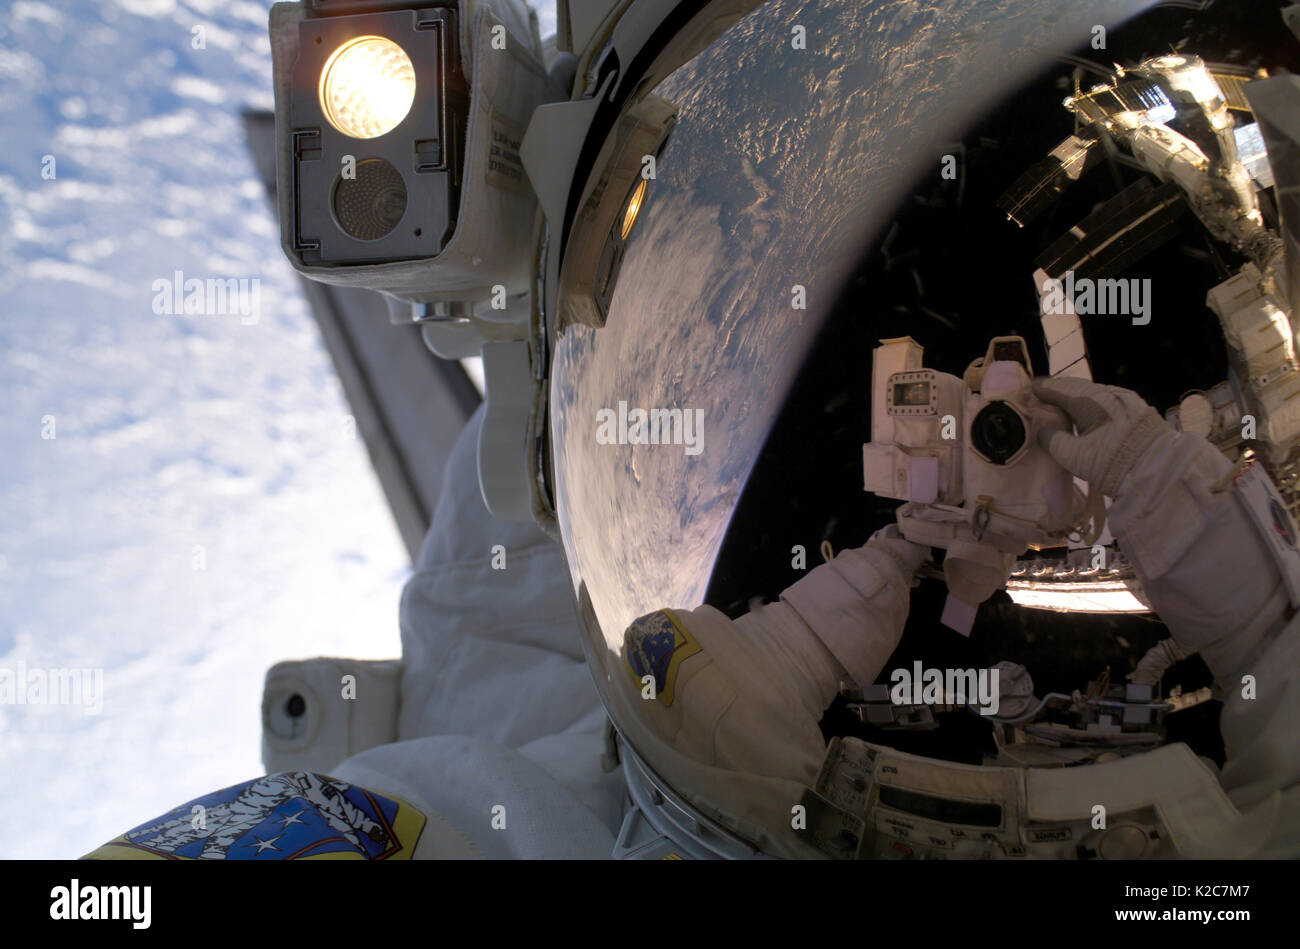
point(1202, 560)
point(750, 698)
point(1180, 518)
point(841, 623)
point(1214, 580)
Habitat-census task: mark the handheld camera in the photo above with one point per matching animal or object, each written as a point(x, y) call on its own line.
point(964, 453)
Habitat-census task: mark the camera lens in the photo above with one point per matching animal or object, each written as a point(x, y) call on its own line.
point(997, 432)
point(371, 204)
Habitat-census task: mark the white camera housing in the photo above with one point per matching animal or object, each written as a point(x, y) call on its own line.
point(964, 453)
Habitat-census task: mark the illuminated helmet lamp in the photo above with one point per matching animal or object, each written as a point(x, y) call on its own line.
point(376, 129)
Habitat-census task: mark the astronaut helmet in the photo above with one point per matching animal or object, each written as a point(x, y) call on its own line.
point(756, 195)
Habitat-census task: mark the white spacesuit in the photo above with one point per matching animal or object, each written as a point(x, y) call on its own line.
point(486, 739)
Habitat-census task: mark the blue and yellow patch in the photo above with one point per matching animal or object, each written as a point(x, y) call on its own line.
point(294, 815)
point(656, 645)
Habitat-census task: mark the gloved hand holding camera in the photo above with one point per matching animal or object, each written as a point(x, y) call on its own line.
point(1115, 427)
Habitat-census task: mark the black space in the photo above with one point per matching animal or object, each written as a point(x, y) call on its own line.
point(952, 273)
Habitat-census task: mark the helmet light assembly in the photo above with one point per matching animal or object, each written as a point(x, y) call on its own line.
point(376, 126)
point(367, 87)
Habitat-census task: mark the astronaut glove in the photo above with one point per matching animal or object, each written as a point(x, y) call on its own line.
point(909, 556)
point(1115, 427)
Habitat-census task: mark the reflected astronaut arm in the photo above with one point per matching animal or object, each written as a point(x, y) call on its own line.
point(1213, 580)
point(752, 694)
point(846, 615)
point(1201, 559)
point(1203, 564)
